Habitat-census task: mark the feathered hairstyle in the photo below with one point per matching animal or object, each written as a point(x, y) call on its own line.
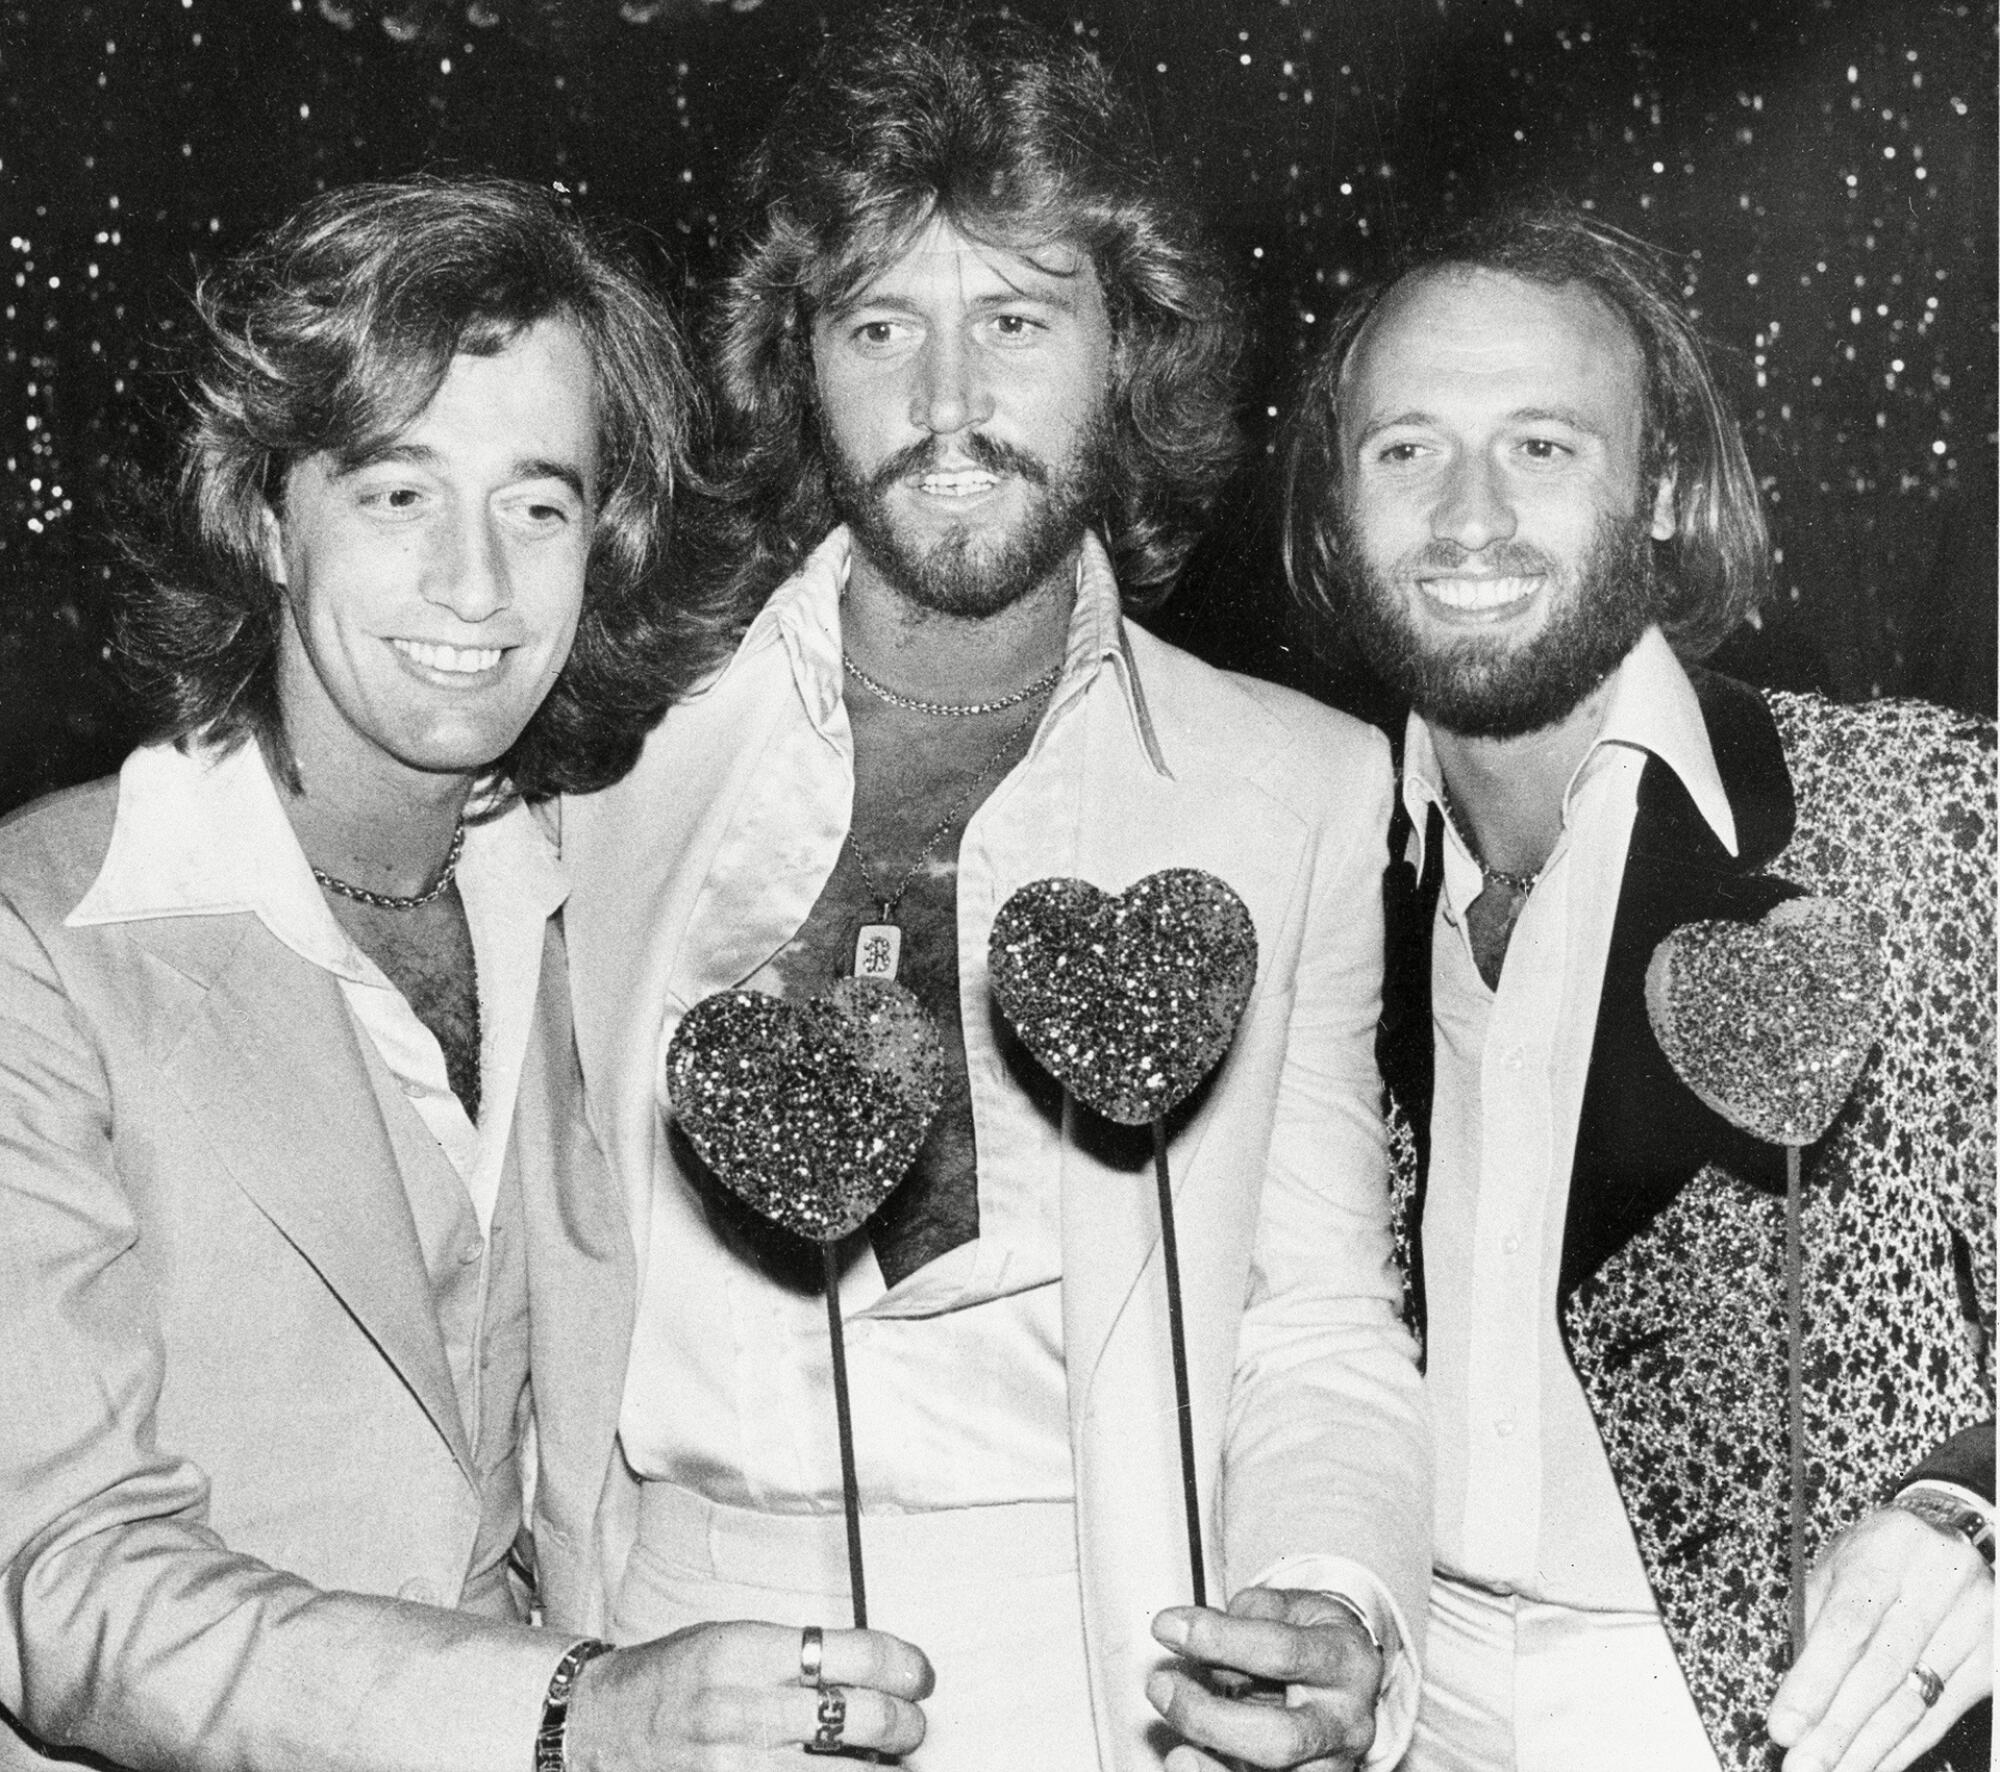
point(1018, 140)
point(333, 333)
point(1714, 569)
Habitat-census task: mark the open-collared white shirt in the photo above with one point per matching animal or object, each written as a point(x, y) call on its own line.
point(991, 1306)
point(961, 1364)
point(202, 833)
point(1526, 1503)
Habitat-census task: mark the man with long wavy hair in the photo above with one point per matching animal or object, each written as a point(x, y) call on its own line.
point(299, 1207)
point(973, 378)
point(1514, 480)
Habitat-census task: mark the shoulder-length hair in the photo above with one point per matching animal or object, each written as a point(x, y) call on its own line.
point(1020, 141)
point(333, 333)
point(1714, 569)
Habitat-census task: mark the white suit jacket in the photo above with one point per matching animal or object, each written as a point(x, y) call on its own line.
point(237, 1496)
point(1311, 1434)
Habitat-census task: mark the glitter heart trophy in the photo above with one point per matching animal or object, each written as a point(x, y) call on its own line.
point(811, 1113)
point(1770, 1024)
point(1129, 1002)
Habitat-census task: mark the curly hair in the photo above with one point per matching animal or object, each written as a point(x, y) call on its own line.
point(1019, 140)
point(331, 334)
point(1714, 570)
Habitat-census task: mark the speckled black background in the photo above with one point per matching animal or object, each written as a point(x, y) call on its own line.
point(1828, 167)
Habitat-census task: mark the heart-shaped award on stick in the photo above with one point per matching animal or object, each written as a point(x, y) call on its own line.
point(1128, 1002)
point(1770, 1024)
point(811, 1113)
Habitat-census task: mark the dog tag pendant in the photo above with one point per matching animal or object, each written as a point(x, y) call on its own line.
point(878, 949)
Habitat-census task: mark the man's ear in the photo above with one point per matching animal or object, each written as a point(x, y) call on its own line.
point(271, 544)
point(1666, 521)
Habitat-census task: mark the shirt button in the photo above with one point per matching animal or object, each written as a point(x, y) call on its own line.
point(1504, 1428)
point(1515, 1058)
point(410, 1087)
point(419, 1592)
point(1511, 1244)
point(469, 1255)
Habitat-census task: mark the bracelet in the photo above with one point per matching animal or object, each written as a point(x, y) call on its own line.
point(552, 1738)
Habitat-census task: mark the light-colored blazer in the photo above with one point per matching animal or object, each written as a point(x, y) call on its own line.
point(236, 1491)
point(1310, 1428)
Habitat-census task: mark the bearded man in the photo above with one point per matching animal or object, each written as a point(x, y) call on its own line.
point(1513, 480)
point(973, 377)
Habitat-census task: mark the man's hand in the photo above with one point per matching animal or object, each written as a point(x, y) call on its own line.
point(1311, 1645)
point(1889, 1593)
point(729, 1695)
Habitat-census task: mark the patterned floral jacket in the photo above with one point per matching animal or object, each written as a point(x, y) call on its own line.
point(1671, 1298)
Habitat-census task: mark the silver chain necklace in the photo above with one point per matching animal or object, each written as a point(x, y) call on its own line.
point(950, 710)
point(390, 901)
point(1518, 884)
point(878, 946)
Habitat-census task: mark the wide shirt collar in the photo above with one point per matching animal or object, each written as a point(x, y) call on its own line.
point(803, 617)
point(1651, 709)
point(200, 832)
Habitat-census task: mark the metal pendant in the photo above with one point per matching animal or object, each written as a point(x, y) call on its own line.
point(878, 950)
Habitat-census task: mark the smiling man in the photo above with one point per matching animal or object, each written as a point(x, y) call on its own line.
point(973, 391)
point(299, 1208)
point(1514, 483)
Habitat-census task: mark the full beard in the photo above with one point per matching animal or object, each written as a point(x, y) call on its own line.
point(1495, 688)
point(960, 573)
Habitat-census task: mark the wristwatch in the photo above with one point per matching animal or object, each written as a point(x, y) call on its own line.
point(1949, 1511)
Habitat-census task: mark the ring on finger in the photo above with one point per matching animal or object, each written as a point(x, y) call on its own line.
point(812, 1649)
point(832, 1719)
point(1929, 1686)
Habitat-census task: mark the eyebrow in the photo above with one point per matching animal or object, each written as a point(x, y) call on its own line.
point(1060, 293)
point(1059, 299)
point(526, 467)
point(1562, 415)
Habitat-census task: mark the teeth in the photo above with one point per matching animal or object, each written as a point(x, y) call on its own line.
point(1480, 593)
point(464, 660)
point(959, 485)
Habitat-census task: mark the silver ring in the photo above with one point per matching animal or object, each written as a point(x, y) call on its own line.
point(1929, 1687)
point(832, 1719)
point(812, 1648)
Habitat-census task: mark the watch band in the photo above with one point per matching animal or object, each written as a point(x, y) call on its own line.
point(1949, 1511)
point(552, 1737)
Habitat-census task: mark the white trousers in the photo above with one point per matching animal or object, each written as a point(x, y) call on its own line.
point(1513, 1685)
point(990, 1594)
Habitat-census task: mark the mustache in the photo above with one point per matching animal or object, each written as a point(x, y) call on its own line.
point(1504, 559)
point(927, 452)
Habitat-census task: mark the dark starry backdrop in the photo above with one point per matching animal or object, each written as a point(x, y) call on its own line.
point(1827, 167)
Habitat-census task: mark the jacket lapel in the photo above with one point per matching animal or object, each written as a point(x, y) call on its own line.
point(1642, 1134)
point(1110, 1205)
point(1405, 1044)
point(581, 1271)
point(268, 1064)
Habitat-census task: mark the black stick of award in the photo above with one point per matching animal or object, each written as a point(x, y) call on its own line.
point(811, 1113)
point(1129, 1002)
